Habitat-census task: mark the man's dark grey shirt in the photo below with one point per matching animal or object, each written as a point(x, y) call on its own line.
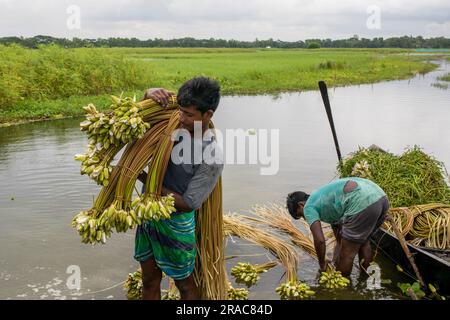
point(194, 181)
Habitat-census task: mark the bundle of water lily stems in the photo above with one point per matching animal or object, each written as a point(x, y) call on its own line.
point(235, 225)
point(255, 228)
point(277, 217)
point(424, 225)
point(237, 293)
point(292, 289)
point(248, 274)
point(418, 191)
point(133, 287)
point(143, 129)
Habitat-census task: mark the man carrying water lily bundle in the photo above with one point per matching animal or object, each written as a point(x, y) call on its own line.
point(169, 246)
point(354, 207)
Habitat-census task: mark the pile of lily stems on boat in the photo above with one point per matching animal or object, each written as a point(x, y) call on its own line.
point(424, 225)
point(409, 179)
point(418, 191)
point(144, 130)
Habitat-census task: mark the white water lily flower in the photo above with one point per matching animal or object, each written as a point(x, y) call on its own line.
point(361, 169)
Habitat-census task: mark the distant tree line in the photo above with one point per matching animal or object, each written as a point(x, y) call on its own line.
point(353, 42)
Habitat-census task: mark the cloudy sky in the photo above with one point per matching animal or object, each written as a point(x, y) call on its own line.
point(287, 20)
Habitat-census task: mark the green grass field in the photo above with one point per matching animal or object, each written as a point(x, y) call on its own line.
point(281, 70)
point(54, 82)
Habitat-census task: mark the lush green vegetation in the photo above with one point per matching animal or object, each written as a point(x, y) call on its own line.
point(53, 72)
point(445, 77)
point(442, 82)
point(55, 82)
point(353, 42)
point(53, 109)
point(269, 71)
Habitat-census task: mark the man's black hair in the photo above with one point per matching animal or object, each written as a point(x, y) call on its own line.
point(201, 92)
point(292, 201)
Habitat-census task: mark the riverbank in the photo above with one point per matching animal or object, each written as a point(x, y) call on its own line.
point(239, 71)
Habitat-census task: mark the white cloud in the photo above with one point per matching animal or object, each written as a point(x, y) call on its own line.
point(439, 28)
point(244, 20)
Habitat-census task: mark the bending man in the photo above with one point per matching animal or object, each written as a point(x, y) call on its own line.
point(354, 207)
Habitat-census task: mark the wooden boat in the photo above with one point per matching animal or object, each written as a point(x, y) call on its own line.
point(433, 264)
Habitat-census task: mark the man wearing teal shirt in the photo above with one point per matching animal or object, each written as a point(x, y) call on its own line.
point(354, 207)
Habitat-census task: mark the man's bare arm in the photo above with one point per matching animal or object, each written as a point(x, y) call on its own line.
point(319, 244)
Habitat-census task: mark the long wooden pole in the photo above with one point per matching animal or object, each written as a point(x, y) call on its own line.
point(405, 248)
point(324, 92)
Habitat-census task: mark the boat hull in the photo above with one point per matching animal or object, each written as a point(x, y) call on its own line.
point(434, 269)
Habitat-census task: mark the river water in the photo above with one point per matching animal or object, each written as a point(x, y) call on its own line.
point(41, 189)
